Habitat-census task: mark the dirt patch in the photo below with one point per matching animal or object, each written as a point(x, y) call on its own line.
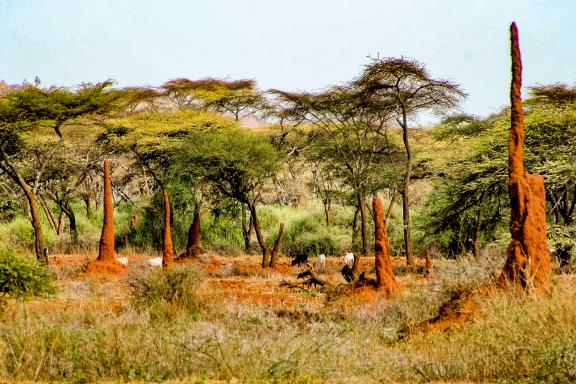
point(260, 293)
point(106, 267)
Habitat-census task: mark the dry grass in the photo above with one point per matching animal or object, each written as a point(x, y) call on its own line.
point(251, 329)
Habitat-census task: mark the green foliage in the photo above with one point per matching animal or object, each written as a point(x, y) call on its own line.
point(559, 364)
point(21, 277)
point(168, 292)
point(476, 176)
point(222, 233)
point(8, 210)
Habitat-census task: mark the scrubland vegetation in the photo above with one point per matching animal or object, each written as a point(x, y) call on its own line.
point(244, 200)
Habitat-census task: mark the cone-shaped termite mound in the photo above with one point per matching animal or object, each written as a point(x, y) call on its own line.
point(193, 248)
point(167, 249)
point(106, 260)
point(528, 263)
point(385, 280)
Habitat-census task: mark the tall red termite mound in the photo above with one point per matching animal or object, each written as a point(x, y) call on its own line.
point(385, 280)
point(528, 263)
point(167, 249)
point(106, 260)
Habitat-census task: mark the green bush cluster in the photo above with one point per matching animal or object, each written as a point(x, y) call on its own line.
point(165, 293)
point(21, 277)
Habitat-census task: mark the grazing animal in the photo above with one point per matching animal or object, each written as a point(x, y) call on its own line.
point(122, 260)
point(304, 274)
point(300, 259)
point(321, 263)
point(347, 273)
point(349, 259)
point(155, 262)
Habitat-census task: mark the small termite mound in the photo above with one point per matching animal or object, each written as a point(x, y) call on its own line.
point(193, 248)
point(460, 308)
point(528, 262)
point(167, 248)
point(385, 281)
point(106, 261)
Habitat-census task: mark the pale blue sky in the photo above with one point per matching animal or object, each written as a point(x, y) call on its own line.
point(289, 45)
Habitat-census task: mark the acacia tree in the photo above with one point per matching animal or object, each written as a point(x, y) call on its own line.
point(151, 142)
point(347, 137)
point(28, 110)
point(405, 87)
point(226, 160)
point(471, 196)
point(239, 98)
point(140, 98)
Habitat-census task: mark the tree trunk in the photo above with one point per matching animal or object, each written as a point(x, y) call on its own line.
point(39, 243)
point(246, 231)
point(60, 229)
point(72, 221)
point(428, 259)
point(259, 237)
point(385, 280)
point(48, 212)
point(464, 245)
point(327, 211)
point(406, 193)
point(193, 244)
point(276, 247)
point(555, 209)
point(106, 246)
point(478, 232)
point(88, 202)
point(167, 249)
point(362, 206)
point(354, 231)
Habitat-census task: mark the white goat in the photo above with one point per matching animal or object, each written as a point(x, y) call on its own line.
point(321, 263)
point(122, 260)
point(349, 259)
point(155, 262)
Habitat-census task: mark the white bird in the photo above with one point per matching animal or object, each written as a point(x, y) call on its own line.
point(122, 260)
point(321, 263)
point(349, 259)
point(155, 262)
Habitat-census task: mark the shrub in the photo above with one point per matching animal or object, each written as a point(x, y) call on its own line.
point(164, 293)
point(21, 277)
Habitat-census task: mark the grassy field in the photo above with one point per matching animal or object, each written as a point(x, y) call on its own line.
point(225, 319)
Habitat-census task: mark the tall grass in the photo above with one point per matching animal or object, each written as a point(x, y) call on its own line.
point(512, 338)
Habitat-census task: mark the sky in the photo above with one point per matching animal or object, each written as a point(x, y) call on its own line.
point(289, 45)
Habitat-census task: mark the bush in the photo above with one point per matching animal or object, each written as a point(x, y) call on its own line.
point(164, 293)
point(21, 277)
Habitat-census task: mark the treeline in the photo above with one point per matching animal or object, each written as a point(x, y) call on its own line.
point(339, 145)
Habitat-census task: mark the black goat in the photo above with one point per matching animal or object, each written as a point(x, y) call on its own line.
point(304, 274)
point(300, 259)
point(347, 273)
